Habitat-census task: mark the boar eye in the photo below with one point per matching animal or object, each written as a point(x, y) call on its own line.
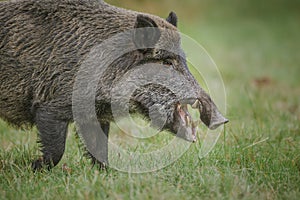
point(168, 63)
point(157, 52)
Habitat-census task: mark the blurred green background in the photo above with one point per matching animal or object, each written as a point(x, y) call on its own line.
point(256, 47)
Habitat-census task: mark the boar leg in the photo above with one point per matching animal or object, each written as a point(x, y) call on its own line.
point(52, 137)
point(103, 148)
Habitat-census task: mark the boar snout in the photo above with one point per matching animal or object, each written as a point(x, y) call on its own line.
point(209, 113)
point(217, 120)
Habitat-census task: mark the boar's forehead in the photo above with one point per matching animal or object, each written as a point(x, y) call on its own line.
point(169, 40)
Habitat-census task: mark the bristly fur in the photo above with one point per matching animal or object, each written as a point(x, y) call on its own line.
point(44, 42)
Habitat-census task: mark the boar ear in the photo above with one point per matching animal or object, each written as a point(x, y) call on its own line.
point(146, 32)
point(172, 19)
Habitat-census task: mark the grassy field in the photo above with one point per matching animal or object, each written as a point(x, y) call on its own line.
point(256, 46)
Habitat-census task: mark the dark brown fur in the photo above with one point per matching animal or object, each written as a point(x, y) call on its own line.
point(42, 45)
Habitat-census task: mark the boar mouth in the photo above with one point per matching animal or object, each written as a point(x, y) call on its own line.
point(186, 123)
point(209, 115)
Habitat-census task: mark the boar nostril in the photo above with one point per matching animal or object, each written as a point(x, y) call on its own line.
point(216, 124)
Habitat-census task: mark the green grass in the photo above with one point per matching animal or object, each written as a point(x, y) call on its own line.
point(256, 47)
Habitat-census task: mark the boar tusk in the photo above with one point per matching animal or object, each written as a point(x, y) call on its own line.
point(196, 104)
point(188, 121)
